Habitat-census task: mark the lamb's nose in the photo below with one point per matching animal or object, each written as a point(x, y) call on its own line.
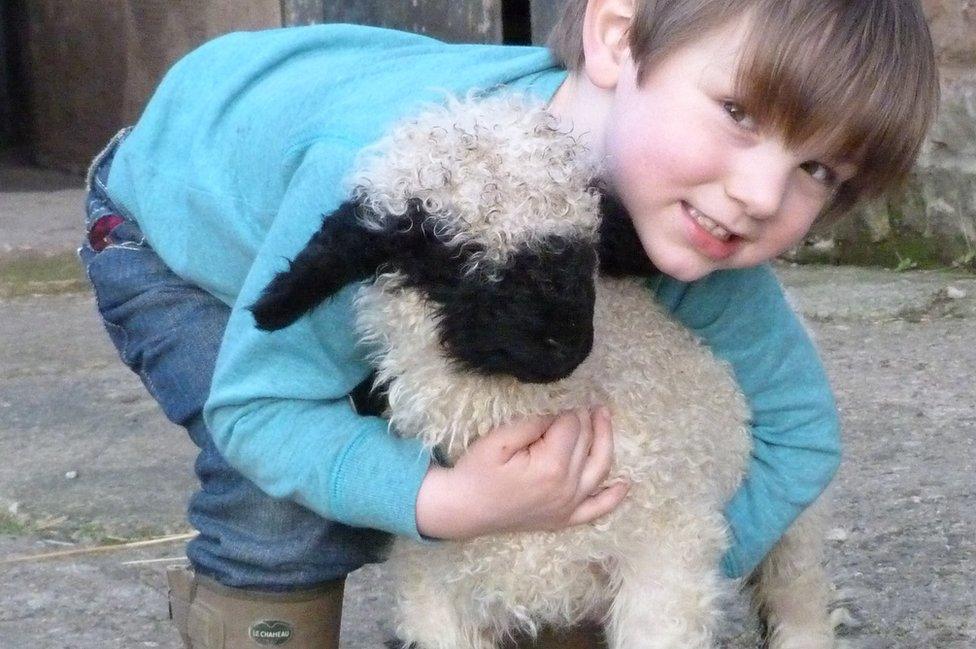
point(556, 360)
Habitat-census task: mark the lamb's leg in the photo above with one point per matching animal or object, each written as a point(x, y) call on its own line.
point(791, 593)
point(668, 590)
point(431, 621)
point(427, 617)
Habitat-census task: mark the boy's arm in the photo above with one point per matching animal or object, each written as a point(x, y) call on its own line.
point(278, 412)
point(277, 408)
point(745, 319)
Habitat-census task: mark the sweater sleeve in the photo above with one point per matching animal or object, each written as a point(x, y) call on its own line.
point(744, 317)
point(278, 409)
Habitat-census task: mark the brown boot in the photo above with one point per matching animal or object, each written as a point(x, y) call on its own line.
point(211, 616)
point(584, 636)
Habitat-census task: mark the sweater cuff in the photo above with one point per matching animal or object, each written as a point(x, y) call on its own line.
point(732, 565)
point(376, 481)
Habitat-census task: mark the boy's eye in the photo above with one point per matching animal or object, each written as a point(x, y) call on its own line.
point(820, 172)
point(739, 115)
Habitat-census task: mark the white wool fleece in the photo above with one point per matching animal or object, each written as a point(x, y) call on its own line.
point(497, 172)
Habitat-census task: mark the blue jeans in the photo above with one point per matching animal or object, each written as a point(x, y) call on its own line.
point(168, 331)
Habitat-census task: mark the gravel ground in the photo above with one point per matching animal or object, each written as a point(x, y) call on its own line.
point(85, 457)
point(88, 459)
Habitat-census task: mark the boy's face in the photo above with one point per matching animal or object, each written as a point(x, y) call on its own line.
point(705, 187)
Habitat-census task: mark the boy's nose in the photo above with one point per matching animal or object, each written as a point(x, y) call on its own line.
point(759, 179)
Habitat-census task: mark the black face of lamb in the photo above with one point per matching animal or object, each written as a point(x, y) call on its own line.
point(533, 322)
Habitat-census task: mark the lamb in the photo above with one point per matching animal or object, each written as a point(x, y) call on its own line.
point(503, 284)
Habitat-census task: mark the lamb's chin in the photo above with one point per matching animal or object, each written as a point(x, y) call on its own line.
point(429, 405)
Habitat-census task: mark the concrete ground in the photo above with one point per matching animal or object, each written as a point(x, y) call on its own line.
point(87, 459)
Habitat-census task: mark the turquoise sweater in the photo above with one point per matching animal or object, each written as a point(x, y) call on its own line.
point(245, 146)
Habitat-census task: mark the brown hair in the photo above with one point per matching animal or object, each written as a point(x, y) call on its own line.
point(860, 75)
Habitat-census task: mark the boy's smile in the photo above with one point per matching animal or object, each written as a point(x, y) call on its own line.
point(706, 187)
point(708, 235)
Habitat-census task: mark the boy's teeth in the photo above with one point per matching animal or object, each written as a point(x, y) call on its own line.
point(717, 230)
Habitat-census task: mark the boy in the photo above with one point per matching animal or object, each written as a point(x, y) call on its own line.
point(726, 128)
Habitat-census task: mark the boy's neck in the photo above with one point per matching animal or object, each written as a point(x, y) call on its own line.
point(583, 108)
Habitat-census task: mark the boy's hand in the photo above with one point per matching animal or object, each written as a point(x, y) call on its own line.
point(539, 473)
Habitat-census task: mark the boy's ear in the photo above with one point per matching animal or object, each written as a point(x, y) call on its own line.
point(341, 252)
point(605, 41)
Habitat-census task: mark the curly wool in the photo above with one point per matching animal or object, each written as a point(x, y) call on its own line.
point(497, 172)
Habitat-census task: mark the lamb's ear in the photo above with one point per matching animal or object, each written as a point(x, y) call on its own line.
point(620, 249)
point(341, 252)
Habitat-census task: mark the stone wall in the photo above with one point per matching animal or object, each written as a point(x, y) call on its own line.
point(933, 223)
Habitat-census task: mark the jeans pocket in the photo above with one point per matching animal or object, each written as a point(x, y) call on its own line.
point(165, 329)
point(114, 285)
